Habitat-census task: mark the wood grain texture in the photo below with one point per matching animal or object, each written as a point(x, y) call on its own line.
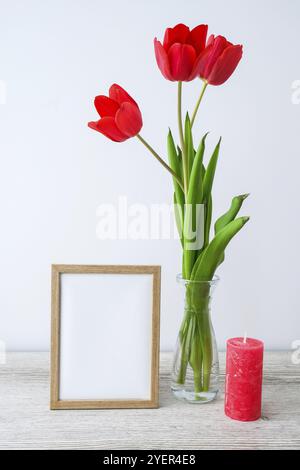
point(27, 423)
point(57, 269)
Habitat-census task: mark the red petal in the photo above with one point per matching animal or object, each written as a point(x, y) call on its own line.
point(181, 58)
point(168, 39)
point(162, 60)
point(210, 40)
point(129, 119)
point(198, 66)
point(200, 63)
point(197, 37)
point(119, 95)
point(107, 126)
point(217, 48)
point(93, 125)
point(179, 34)
point(225, 65)
point(106, 106)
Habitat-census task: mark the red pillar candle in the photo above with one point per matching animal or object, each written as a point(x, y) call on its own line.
point(244, 370)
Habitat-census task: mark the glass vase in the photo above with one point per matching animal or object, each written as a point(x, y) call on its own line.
point(195, 373)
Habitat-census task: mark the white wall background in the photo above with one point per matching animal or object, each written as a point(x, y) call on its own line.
point(55, 56)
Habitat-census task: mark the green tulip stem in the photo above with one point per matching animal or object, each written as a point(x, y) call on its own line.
point(196, 339)
point(182, 143)
point(164, 164)
point(198, 103)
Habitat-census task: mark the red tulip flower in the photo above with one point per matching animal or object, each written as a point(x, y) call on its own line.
point(178, 56)
point(219, 60)
point(120, 115)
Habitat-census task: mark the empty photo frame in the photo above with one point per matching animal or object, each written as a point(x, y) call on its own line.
point(105, 336)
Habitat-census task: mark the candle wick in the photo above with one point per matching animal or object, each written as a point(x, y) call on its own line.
point(245, 337)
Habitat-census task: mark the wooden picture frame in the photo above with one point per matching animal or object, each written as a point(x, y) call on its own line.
point(65, 358)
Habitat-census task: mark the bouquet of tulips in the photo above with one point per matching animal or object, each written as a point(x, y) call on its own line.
point(186, 55)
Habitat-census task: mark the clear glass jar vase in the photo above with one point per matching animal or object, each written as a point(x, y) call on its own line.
point(195, 373)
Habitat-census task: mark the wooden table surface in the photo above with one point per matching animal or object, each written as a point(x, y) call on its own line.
point(27, 423)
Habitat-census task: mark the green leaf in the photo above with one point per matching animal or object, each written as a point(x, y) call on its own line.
point(172, 154)
point(178, 193)
point(176, 167)
point(193, 236)
point(178, 212)
point(230, 215)
point(232, 212)
point(190, 153)
point(192, 211)
point(194, 195)
point(179, 156)
point(197, 262)
point(189, 257)
point(208, 216)
point(208, 179)
point(195, 190)
point(209, 261)
point(210, 173)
